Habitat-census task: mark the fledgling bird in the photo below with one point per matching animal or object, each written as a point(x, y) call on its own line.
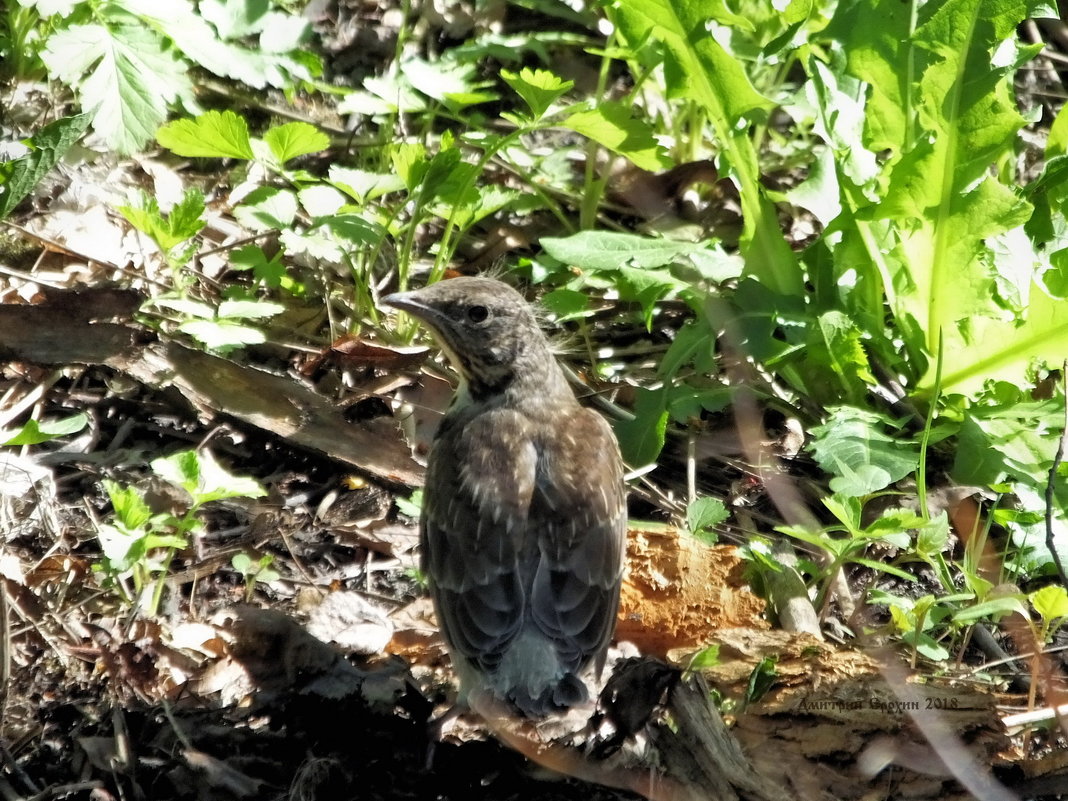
point(524, 512)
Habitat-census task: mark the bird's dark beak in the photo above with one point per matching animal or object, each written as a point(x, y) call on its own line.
point(407, 301)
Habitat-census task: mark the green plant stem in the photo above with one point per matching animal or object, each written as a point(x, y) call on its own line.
point(925, 437)
point(161, 580)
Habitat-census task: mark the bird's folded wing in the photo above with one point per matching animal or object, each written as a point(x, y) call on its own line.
point(579, 512)
point(479, 485)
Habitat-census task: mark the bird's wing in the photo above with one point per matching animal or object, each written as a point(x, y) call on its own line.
point(480, 479)
point(579, 512)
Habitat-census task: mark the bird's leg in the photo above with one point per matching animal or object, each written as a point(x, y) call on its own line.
point(435, 729)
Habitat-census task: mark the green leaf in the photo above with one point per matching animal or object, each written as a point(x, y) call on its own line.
point(125, 74)
point(611, 124)
point(449, 82)
point(271, 271)
point(129, 507)
point(608, 250)
point(19, 176)
point(214, 134)
point(707, 657)
point(168, 231)
point(996, 609)
point(34, 433)
point(265, 64)
point(412, 506)
point(705, 513)
point(642, 438)
point(267, 209)
point(362, 185)
point(222, 335)
point(853, 446)
point(118, 545)
point(761, 679)
point(1017, 439)
point(835, 354)
point(941, 108)
point(1051, 602)
point(204, 478)
point(295, 139)
point(567, 304)
point(538, 88)
point(243, 309)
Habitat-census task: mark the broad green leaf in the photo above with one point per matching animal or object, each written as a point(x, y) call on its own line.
point(538, 88)
point(295, 139)
point(362, 185)
point(642, 438)
point(995, 609)
point(214, 134)
point(1051, 602)
point(267, 209)
point(116, 544)
point(411, 163)
point(705, 658)
point(234, 18)
point(454, 84)
point(567, 304)
point(854, 446)
point(320, 200)
point(222, 335)
point(184, 306)
point(941, 106)
point(204, 478)
point(34, 432)
point(19, 176)
point(613, 125)
point(703, 514)
point(836, 361)
point(411, 506)
point(258, 67)
point(1017, 440)
point(125, 75)
point(249, 309)
point(605, 250)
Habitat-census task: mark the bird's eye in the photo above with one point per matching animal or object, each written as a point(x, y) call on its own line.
point(477, 314)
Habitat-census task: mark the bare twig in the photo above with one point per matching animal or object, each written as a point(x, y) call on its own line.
point(1051, 484)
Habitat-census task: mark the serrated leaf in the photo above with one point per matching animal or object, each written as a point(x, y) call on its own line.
point(295, 139)
point(538, 88)
point(222, 334)
point(129, 507)
point(566, 304)
point(362, 185)
point(213, 134)
point(19, 176)
point(249, 309)
point(705, 513)
point(124, 74)
point(267, 209)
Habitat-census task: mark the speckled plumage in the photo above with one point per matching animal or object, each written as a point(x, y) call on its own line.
point(524, 514)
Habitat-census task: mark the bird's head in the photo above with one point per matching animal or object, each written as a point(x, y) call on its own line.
point(485, 327)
